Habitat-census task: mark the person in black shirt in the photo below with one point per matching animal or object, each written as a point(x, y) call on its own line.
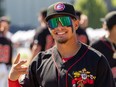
point(81, 33)
point(107, 45)
point(5, 43)
point(69, 63)
point(6, 50)
point(42, 39)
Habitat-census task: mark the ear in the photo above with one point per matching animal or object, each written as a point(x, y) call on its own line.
point(76, 24)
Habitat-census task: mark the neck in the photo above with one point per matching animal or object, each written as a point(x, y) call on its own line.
point(69, 49)
point(112, 38)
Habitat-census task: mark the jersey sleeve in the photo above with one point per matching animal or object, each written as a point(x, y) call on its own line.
point(104, 77)
point(13, 83)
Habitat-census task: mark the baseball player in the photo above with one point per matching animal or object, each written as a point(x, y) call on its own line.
point(69, 63)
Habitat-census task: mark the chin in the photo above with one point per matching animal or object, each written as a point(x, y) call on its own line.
point(62, 41)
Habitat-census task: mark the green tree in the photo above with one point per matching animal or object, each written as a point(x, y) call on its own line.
point(113, 3)
point(94, 9)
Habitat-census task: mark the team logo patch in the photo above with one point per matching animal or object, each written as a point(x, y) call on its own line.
point(59, 7)
point(83, 77)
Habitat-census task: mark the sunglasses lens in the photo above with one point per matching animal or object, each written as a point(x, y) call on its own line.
point(53, 23)
point(65, 21)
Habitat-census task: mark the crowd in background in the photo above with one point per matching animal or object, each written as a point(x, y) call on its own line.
point(39, 39)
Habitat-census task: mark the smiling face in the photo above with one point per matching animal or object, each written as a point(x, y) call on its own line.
point(63, 34)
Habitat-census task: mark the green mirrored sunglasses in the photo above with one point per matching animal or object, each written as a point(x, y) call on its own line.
point(64, 20)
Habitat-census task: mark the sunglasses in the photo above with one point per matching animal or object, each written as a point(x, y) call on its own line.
point(64, 20)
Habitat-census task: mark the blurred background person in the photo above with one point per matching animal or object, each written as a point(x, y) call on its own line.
point(5, 42)
point(6, 50)
point(107, 45)
point(42, 39)
point(81, 33)
point(104, 27)
point(96, 34)
point(84, 21)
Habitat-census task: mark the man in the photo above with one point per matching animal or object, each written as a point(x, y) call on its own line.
point(5, 42)
point(42, 39)
point(107, 45)
point(81, 33)
point(69, 63)
point(6, 50)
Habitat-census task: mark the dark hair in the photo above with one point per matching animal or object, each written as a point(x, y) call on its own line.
point(43, 12)
point(78, 14)
point(110, 19)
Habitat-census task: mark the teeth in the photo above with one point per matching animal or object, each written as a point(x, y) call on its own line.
point(61, 33)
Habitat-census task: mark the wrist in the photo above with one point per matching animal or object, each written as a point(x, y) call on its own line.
point(12, 80)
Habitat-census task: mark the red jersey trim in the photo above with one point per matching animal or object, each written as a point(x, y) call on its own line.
point(66, 59)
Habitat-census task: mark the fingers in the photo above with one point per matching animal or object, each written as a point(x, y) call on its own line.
point(17, 59)
point(22, 70)
point(18, 68)
point(21, 63)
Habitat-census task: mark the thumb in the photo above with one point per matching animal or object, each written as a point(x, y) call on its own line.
point(17, 59)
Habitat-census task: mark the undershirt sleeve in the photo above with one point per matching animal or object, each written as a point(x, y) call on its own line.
point(13, 83)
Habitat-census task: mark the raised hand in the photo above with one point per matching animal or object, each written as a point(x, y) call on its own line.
point(17, 69)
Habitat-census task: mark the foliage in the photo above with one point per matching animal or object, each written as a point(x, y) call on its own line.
point(94, 9)
point(113, 3)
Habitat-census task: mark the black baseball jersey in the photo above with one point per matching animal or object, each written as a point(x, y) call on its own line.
point(104, 46)
point(88, 68)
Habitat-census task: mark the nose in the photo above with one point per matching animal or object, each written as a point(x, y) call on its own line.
point(60, 27)
point(59, 24)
